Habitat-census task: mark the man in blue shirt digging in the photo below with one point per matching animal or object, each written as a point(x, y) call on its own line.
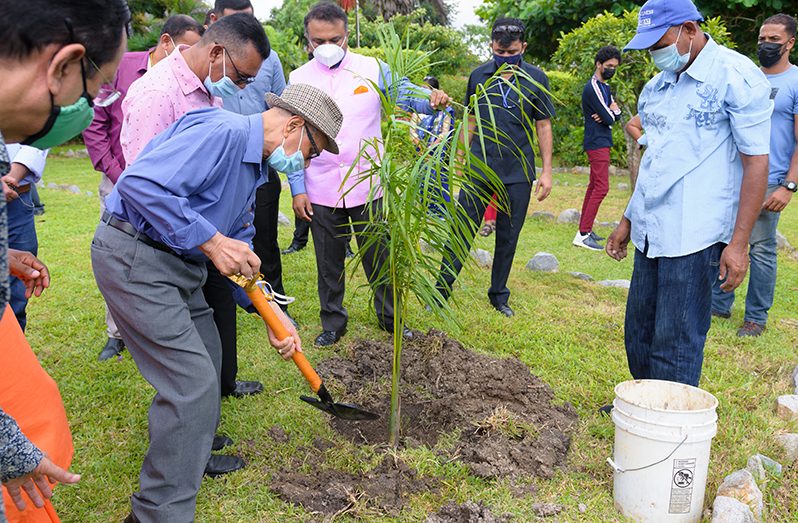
point(700, 189)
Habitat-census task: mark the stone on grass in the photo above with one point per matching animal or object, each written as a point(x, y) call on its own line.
point(729, 510)
point(582, 508)
point(581, 276)
point(789, 446)
point(52, 185)
point(741, 486)
point(74, 189)
point(621, 284)
point(787, 407)
point(484, 258)
point(623, 186)
point(543, 216)
point(543, 262)
point(782, 243)
point(89, 193)
point(282, 219)
point(545, 510)
point(795, 379)
point(760, 466)
point(569, 216)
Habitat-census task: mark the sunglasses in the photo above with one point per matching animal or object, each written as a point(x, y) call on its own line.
point(511, 29)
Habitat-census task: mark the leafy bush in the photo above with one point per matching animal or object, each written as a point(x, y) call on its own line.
point(291, 53)
point(417, 74)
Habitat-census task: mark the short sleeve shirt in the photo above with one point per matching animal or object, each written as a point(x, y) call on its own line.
point(511, 157)
point(784, 91)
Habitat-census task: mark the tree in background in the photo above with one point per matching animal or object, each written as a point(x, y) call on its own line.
point(148, 17)
point(574, 59)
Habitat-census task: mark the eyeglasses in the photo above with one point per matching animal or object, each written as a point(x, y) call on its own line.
point(243, 79)
point(314, 149)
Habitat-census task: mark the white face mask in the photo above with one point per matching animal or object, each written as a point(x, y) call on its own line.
point(329, 54)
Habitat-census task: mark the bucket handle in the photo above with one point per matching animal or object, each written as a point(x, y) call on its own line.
point(617, 468)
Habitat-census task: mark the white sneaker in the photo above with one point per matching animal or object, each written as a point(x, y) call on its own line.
point(586, 241)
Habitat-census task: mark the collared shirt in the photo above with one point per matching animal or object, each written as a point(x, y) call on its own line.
point(688, 187)
point(252, 98)
point(327, 181)
point(596, 99)
point(194, 179)
point(512, 116)
point(102, 136)
point(165, 93)
point(784, 90)
point(32, 158)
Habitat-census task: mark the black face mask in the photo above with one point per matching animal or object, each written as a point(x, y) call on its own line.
point(608, 73)
point(769, 53)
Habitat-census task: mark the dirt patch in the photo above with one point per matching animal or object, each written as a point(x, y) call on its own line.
point(468, 512)
point(507, 418)
point(384, 489)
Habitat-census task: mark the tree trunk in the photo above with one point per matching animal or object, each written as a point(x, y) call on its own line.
point(632, 159)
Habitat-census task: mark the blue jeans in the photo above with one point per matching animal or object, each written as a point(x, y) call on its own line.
point(21, 236)
point(762, 279)
point(668, 315)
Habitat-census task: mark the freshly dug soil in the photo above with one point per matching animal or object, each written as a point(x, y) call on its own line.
point(468, 512)
point(508, 420)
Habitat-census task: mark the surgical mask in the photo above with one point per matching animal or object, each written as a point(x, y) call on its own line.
point(224, 86)
point(509, 60)
point(284, 163)
point(669, 59)
point(769, 53)
point(329, 54)
point(608, 73)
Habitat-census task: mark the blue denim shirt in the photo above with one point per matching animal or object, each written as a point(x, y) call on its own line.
point(196, 178)
point(688, 187)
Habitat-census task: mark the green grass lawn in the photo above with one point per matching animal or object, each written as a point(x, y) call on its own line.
point(567, 331)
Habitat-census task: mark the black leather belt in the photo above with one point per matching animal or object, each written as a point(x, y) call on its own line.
point(120, 225)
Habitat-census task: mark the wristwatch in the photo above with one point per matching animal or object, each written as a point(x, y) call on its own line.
point(790, 186)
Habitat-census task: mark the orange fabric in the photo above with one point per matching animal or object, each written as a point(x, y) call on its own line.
point(30, 396)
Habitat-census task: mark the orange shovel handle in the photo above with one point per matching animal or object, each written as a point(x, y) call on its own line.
point(274, 323)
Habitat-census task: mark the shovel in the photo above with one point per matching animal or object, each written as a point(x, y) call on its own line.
point(260, 293)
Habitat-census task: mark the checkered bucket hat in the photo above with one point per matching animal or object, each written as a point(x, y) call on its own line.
point(315, 106)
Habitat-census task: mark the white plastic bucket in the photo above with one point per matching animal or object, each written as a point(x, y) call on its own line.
point(663, 434)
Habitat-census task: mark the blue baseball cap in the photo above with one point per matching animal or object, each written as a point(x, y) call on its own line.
point(657, 16)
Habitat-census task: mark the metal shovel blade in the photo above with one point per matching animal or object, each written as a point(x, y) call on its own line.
point(346, 411)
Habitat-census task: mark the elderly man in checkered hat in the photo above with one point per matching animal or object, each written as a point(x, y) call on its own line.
point(188, 199)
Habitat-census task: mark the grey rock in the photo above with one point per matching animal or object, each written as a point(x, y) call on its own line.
point(543, 216)
point(612, 170)
point(543, 262)
point(545, 510)
point(582, 508)
point(74, 189)
point(782, 243)
point(581, 276)
point(484, 258)
point(282, 219)
point(759, 466)
point(52, 185)
point(729, 510)
point(789, 446)
point(565, 184)
point(787, 407)
point(89, 193)
point(795, 379)
point(623, 186)
point(569, 216)
point(621, 284)
point(741, 486)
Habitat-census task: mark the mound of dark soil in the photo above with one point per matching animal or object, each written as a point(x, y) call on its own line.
point(508, 420)
point(468, 512)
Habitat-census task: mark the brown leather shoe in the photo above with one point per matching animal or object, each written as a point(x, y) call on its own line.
point(750, 328)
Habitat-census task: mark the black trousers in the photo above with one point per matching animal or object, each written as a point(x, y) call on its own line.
point(301, 230)
point(330, 228)
point(218, 291)
point(508, 228)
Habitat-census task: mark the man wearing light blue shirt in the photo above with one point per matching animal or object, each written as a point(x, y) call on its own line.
point(701, 186)
point(776, 40)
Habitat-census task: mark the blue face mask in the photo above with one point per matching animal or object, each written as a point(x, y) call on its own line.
point(224, 86)
point(509, 60)
point(285, 163)
point(669, 59)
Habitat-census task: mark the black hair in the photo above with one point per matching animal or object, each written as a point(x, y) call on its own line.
point(236, 5)
point(432, 82)
point(783, 19)
point(608, 52)
point(505, 31)
point(327, 12)
point(178, 25)
point(29, 26)
point(235, 31)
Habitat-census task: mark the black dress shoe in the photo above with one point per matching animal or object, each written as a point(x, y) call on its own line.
point(113, 347)
point(606, 410)
point(221, 464)
point(506, 310)
point(294, 247)
point(327, 338)
point(246, 388)
point(131, 518)
point(221, 441)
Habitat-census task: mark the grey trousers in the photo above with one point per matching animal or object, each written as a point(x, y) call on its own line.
point(105, 188)
point(330, 229)
point(156, 299)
